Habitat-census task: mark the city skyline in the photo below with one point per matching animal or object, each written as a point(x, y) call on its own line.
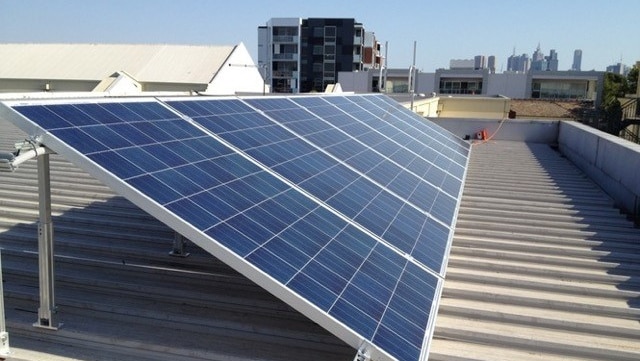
point(442, 31)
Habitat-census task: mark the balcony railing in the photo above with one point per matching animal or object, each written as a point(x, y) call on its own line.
point(282, 74)
point(285, 39)
point(285, 56)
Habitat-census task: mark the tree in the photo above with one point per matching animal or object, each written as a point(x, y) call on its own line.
point(615, 86)
point(632, 80)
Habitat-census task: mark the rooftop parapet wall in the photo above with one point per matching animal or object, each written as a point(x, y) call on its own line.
point(523, 130)
point(470, 107)
point(613, 163)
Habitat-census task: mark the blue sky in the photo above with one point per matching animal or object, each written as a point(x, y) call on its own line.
point(454, 29)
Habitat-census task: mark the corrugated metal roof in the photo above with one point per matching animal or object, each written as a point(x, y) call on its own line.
point(154, 63)
point(121, 296)
point(542, 266)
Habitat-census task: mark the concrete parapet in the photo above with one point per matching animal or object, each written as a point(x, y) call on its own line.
point(522, 130)
point(613, 163)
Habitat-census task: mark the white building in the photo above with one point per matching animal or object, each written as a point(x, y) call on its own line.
point(584, 85)
point(123, 69)
point(279, 53)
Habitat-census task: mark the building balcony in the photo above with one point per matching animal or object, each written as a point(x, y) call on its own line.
point(285, 56)
point(285, 39)
point(282, 74)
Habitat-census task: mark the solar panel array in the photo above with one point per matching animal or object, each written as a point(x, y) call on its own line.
point(343, 206)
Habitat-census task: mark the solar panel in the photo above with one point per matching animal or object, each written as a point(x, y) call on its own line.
point(327, 154)
point(317, 199)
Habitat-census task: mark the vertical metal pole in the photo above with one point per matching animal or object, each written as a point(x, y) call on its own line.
point(47, 310)
point(4, 335)
point(386, 61)
point(380, 85)
point(412, 76)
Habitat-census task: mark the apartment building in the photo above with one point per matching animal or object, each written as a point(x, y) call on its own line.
point(298, 55)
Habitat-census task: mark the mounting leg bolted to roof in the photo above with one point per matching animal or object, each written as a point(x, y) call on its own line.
point(47, 309)
point(9, 162)
point(178, 246)
point(4, 335)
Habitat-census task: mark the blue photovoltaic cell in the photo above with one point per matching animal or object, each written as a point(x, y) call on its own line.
point(333, 260)
point(333, 182)
point(433, 144)
point(452, 146)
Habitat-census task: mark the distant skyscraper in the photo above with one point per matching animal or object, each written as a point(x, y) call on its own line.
point(552, 60)
point(491, 64)
point(538, 62)
point(618, 68)
point(480, 62)
point(518, 63)
point(577, 60)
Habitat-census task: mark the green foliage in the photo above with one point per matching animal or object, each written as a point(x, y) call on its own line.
point(632, 80)
point(615, 86)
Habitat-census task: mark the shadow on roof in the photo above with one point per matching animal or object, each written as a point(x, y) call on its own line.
point(118, 292)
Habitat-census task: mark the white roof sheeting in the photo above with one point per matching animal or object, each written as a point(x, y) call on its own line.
point(159, 63)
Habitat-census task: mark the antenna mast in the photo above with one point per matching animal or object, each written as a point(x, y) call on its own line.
point(412, 76)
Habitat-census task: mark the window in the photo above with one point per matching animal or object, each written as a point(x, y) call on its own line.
point(329, 34)
point(285, 30)
point(329, 50)
point(329, 31)
point(552, 89)
point(460, 86)
point(329, 67)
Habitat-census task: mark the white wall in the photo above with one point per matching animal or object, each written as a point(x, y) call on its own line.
point(534, 131)
point(613, 163)
point(512, 85)
point(426, 83)
point(239, 74)
point(427, 108)
point(473, 107)
point(264, 48)
point(37, 85)
point(356, 81)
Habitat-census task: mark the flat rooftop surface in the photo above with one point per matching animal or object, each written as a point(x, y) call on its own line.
point(543, 267)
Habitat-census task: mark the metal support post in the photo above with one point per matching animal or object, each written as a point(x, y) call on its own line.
point(4, 335)
point(178, 246)
point(47, 309)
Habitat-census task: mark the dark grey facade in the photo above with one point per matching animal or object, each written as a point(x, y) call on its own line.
point(328, 47)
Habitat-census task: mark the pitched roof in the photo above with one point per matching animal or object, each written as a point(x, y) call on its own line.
point(153, 63)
